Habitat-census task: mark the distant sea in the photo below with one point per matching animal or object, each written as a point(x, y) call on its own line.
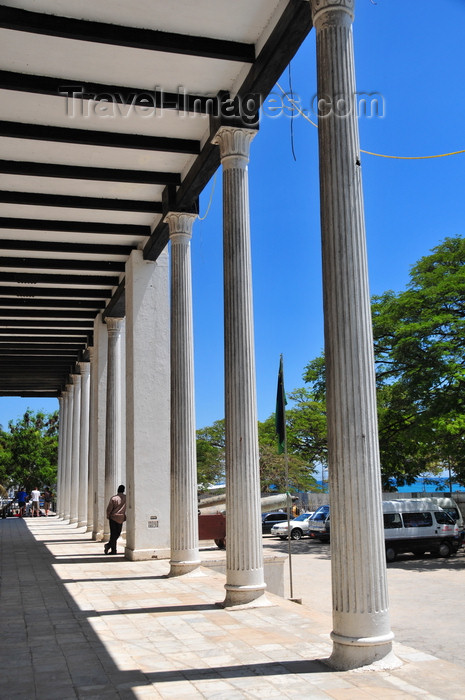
point(430, 484)
point(427, 485)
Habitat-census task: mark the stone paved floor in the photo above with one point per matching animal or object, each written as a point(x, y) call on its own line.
point(77, 624)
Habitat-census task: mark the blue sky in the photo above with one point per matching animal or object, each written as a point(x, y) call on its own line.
point(414, 58)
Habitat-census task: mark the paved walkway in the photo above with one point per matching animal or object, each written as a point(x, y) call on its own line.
point(77, 624)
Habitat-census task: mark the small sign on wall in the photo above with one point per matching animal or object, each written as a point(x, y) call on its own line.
point(152, 521)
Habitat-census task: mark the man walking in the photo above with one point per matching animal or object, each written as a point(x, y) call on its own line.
point(35, 496)
point(116, 514)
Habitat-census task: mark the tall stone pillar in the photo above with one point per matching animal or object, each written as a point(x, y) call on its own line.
point(69, 452)
point(84, 368)
point(61, 451)
point(113, 431)
point(147, 407)
point(90, 473)
point(244, 555)
point(98, 385)
point(76, 430)
point(361, 632)
point(184, 498)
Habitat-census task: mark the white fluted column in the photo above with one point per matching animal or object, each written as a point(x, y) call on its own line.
point(90, 474)
point(361, 632)
point(113, 432)
point(61, 453)
point(98, 384)
point(84, 368)
point(69, 451)
point(244, 555)
point(74, 482)
point(184, 498)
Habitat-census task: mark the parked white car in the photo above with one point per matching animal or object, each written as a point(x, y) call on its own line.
point(298, 527)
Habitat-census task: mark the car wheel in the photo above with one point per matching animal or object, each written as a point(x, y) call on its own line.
point(296, 534)
point(221, 544)
point(444, 549)
point(283, 537)
point(391, 554)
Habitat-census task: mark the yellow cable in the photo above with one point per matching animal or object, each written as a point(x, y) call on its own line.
point(202, 218)
point(370, 153)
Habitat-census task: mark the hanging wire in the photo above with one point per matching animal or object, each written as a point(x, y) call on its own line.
point(292, 116)
point(202, 218)
point(370, 153)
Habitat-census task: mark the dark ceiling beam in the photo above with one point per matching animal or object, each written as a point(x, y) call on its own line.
point(120, 94)
point(25, 316)
point(90, 137)
point(35, 323)
point(35, 292)
point(28, 382)
point(98, 266)
point(42, 393)
point(79, 172)
point(58, 200)
point(69, 280)
point(62, 332)
point(7, 222)
point(283, 43)
point(132, 37)
point(37, 345)
point(290, 31)
point(116, 307)
point(45, 304)
point(25, 361)
point(48, 351)
point(48, 383)
point(60, 247)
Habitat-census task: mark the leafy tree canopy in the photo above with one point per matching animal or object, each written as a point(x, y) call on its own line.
point(210, 455)
point(419, 344)
point(29, 451)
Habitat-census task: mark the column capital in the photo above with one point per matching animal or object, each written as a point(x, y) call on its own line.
point(234, 143)
point(180, 225)
point(325, 11)
point(84, 367)
point(114, 324)
point(75, 378)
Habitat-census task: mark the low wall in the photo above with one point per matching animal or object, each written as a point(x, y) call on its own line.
point(273, 570)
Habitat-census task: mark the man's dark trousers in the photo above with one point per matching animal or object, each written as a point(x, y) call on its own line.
point(115, 532)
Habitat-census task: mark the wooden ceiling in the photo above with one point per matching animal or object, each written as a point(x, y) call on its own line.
point(105, 124)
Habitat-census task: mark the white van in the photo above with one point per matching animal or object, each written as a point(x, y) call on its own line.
point(451, 507)
point(418, 525)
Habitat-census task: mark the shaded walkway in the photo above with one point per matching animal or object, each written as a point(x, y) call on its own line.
point(77, 624)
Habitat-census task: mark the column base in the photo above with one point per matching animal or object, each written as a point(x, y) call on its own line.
point(355, 652)
point(182, 568)
point(239, 597)
point(82, 523)
point(90, 528)
point(146, 554)
point(97, 536)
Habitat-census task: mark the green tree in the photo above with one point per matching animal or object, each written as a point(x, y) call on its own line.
point(419, 339)
point(273, 465)
point(419, 345)
point(210, 454)
point(29, 451)
point(211, 467)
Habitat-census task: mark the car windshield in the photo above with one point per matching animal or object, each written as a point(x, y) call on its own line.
point(453, 512)
point(443, 518)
